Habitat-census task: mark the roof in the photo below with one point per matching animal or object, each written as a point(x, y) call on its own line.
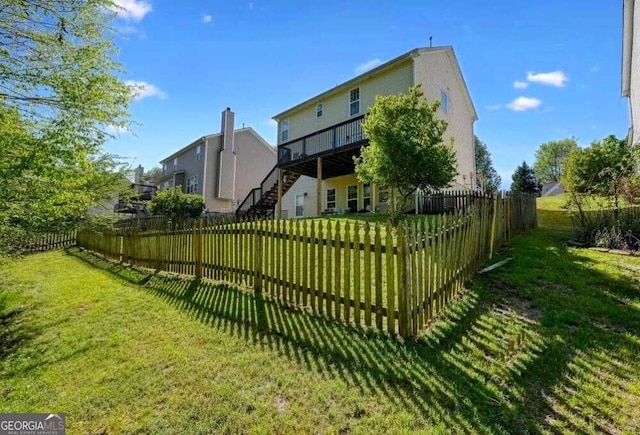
point(202, 139)
point(378, 70)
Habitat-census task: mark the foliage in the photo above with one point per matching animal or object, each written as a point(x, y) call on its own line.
point(551, 157)
point(59, 91)
point(488, 178)
point(615, 238)
point(151, 176)
point(406, 150)
point(524, 180)
point(601, 169)
point(177, 205)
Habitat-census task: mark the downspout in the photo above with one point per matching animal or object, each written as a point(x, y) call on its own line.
point(627, 46)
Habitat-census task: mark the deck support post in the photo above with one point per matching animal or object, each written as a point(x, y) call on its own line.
point(319, 188)
point(279, 203)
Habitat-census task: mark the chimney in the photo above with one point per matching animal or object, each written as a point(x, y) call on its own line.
point(226, 159)
point(137, 174)
point(227, 130)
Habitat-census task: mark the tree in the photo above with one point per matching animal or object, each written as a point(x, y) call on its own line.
point(601, 169)
point(524, 180)
point(177, 205)
point(59, 91)
point(406, 150)
point(151, 176)
point(551, 157)
point(488, 178)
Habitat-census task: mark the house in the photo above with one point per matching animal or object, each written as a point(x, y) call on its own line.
point(631, 65)
point(222, 167)
point(318, 138)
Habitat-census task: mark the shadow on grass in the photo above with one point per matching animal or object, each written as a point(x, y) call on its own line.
point(499, 359)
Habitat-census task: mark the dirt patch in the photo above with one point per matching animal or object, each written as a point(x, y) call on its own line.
point(282, 403)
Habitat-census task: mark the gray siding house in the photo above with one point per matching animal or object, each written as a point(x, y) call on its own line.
point(222, 167)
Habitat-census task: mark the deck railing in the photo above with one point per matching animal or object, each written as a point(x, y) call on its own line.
point(345, 134)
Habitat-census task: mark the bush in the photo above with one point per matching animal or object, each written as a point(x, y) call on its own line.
point(176, 205)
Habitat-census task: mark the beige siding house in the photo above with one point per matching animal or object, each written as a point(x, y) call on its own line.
point(222, 167)
point(318, 138)
point(631, 65)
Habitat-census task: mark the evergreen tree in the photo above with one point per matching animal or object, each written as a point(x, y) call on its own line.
point(488, 178)
point(524, 180)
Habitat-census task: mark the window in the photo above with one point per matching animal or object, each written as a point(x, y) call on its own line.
point(299, 205)
point(383, 194)
point(284, 130)
point(366, 197)
point(192, 184)
point(175, 164)
point(352, 198)
point(354, 101)
point(331, 199)
point(319, 110)
point(199, 153)
point(164, 168)
point(444, 101)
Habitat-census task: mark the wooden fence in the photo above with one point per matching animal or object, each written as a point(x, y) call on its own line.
point(48, 242)
point(393, 279)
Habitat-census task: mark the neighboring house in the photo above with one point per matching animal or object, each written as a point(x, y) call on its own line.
point(318, 138)
point(553, 188)
point(222, 167)
point(631, 65)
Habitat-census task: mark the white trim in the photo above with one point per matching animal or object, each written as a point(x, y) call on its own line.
point(356, 101)
point(204, 169)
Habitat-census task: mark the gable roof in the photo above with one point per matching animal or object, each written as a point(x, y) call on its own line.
point(209, 136)
point(409, 55)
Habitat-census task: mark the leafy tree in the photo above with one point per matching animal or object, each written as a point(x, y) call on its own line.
point(524, 180)
point(488, 178)
point(602, 169)
point(58, 92)
point(406, 150)
point(551, 157)
point(176, 205)
point(151, 176)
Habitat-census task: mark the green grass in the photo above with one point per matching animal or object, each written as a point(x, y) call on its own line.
point(548, 343)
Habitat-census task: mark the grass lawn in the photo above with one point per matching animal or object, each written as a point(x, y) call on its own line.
point(548, 343)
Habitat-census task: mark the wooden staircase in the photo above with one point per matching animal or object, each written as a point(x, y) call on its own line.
point(260, 203)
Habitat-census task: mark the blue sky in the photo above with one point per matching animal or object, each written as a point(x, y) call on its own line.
point(260, 57)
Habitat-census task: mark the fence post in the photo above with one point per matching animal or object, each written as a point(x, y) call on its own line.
point(403, 286)
point(257, 243)
point(197, 243)
point(494, 226)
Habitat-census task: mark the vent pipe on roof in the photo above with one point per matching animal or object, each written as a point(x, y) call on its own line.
point(430, 41)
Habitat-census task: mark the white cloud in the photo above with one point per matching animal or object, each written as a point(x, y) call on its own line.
point(142, 90)
point(555, 78)
point(116, 130)
point(250, 6)
point(594, 69)
point(520, 85)
point(521, 104)
point(370, 64)
point(133, 10)
point(493, 107)
point(272, 123)
point(206, 18)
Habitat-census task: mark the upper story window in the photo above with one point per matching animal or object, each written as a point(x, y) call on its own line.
point(192, 184)
point(164, 168)
point(354, 101)
point(199, 153)
point(444, 101)
point(175, 164)
point(319, 110)
point(284, 130)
